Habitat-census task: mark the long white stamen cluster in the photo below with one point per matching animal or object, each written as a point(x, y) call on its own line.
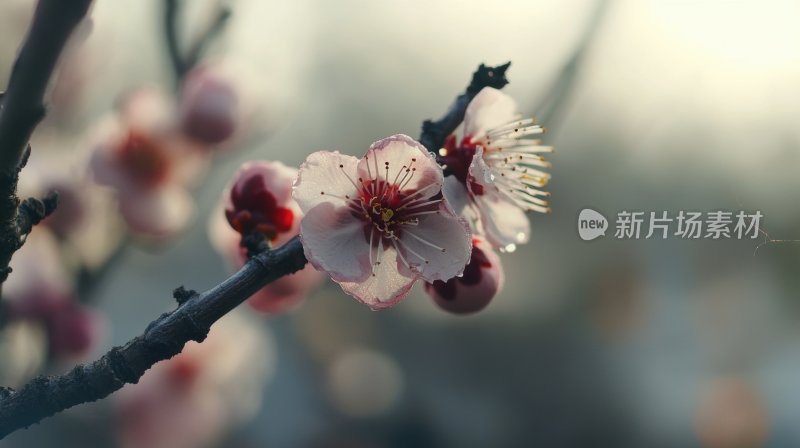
point(515, 163)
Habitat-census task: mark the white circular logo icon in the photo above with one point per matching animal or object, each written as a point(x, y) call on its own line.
point(591, 224)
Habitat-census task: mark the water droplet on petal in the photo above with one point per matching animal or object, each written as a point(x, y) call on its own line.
point(521, 237)
point(510, 248)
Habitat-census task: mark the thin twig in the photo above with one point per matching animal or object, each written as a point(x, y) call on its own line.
point(164, 338)
point(183, 63)
point(552, 104)
point(196, 52)
point(3, 313)
point(171, 10)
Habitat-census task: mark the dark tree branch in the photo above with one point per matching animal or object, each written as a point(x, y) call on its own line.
point(21, 110)
point(163, 339)
point(23, 105)
point(434, 133)
point(182, 63)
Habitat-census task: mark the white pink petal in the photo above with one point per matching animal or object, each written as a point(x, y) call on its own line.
point(335, 242)
point(489, 109)
point(391, 282)
point(321, 179)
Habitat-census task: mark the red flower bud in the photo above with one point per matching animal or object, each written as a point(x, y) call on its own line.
point(209, 107)
point(260, 200)
point(482, 280)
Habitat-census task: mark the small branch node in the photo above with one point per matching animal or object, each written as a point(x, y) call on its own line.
point(255, 243)
point(119, 367)
point(182, 294)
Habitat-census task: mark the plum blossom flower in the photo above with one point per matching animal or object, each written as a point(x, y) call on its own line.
point(72, 329)
point(40, 292)
point(192, 399)
point(84, 220)
point(37, 266)
point(148, 163)
point(500, 167)
point(482, 280)
point(378, 224)
point(259, 199)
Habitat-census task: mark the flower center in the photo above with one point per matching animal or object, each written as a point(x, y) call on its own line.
point(457, 158)
point(387, 209)
point(144, 160)
point(183, 372)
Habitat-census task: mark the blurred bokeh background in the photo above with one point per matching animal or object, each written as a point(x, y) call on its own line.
point(651, 104)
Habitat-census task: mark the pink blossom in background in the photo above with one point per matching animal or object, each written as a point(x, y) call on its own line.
point(72, 209)
point(378, 224)
point(210, 108)
point(259, 199)
point(37, 266)
point(86, 222)
point(74, 330)
point(139, 154)
point(194, 398)
point(499, 167)
point(41, 291)
point(482, 280)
